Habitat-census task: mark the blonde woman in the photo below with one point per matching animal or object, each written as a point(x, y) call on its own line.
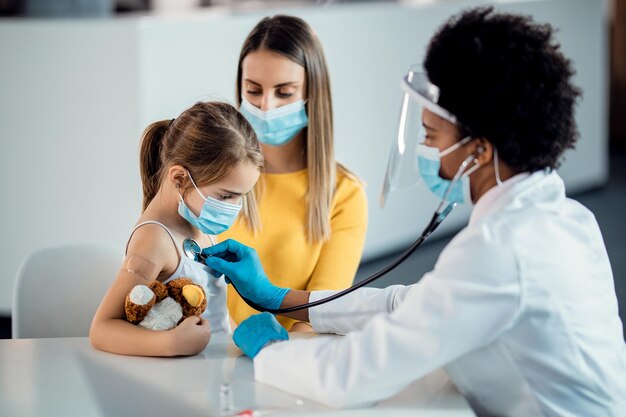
point(307, 217)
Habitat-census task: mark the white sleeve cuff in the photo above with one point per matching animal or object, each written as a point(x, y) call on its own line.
point(354, 310)
point(316, 314)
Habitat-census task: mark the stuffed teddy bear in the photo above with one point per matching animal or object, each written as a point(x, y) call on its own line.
point(158, 306)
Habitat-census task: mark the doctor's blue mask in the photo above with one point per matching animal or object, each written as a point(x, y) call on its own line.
point(215, 217)
point(429, 163)
point(278, 126)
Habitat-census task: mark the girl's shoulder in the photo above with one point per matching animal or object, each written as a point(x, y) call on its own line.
point(152, 241)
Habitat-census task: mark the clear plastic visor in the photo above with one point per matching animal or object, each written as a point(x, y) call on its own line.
point(419, 94)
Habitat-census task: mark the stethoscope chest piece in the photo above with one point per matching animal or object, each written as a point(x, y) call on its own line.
point(193, 250)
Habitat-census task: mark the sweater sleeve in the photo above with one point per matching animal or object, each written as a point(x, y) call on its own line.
point(340, 255)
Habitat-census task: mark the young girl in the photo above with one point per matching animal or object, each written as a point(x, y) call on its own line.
point(196, 171)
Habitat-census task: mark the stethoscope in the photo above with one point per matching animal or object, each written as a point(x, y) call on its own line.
point(193, 251)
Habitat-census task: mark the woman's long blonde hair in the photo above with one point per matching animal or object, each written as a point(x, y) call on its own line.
point(294, 39)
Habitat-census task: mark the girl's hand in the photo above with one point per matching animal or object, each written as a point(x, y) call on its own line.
point(190, 336)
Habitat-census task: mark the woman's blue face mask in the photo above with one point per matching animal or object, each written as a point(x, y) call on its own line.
point(215, 217)
point(429, 164)
point(278, 126)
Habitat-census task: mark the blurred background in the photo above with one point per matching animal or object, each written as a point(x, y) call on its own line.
point(81, 79)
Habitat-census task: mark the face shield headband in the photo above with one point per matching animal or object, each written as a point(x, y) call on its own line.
point(419, 94)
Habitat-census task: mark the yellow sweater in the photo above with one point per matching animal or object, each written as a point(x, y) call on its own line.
point(288, 259)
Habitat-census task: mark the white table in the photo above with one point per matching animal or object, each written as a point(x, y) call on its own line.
point(67, 377)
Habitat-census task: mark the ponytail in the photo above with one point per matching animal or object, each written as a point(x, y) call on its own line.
point(150, 159)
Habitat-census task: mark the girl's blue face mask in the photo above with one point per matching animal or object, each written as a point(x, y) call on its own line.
point(429, 164)
point(278, 126)
point(215, 217)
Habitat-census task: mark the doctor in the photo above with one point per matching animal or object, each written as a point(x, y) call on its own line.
point(520, 308)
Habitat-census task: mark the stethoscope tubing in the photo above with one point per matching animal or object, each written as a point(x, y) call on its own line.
point(436, 220)
point(440, 214)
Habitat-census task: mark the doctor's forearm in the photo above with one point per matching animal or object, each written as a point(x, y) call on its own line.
point(294, 298)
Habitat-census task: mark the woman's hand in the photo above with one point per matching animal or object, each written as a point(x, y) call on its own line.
point(191, 336)
point(242, 267)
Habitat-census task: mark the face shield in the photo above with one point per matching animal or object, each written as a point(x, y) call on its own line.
point(419, 94)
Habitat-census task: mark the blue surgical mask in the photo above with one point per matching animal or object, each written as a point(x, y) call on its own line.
point(215, 217)
point(278, 126)
point(429, 163)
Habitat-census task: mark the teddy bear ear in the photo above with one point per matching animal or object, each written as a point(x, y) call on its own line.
point(193, 294)
point(138, 302)
point(195, 301)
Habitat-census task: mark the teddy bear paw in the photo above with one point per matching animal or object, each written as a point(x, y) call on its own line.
point(163, 316)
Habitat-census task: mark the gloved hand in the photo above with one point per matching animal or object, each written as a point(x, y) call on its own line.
point(255, 332)
point(242, 267)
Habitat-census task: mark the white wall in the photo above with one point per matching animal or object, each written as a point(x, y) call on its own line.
point(74, 97)
point(68, 135)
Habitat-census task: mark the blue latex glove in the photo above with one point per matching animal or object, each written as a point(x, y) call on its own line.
point(242, 267)
point(255, 332)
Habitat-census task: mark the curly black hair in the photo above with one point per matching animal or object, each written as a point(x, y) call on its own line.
point(505, 79)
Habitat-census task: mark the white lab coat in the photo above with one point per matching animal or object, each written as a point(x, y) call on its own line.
point(520, 310)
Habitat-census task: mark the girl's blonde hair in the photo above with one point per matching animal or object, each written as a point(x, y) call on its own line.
point(293, 38)
point(208, 139)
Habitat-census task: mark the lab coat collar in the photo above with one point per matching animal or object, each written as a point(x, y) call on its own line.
point(539, 188)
